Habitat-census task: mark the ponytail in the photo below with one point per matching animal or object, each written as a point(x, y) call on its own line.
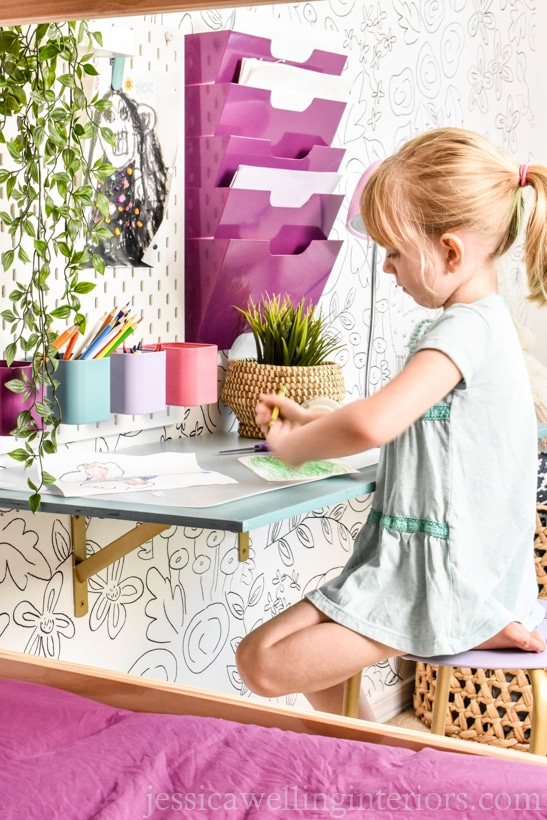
point(535, 243)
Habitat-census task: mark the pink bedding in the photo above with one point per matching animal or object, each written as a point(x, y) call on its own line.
point(68, 758)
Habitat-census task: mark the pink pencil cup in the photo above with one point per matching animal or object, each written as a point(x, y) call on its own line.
point(192, 373)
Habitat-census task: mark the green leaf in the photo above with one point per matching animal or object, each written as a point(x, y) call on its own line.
point(84, 287)
point(108, 136)
point(61, 312)
point(48, 479)
point(29, 228)
point(64, 248)
point(34, 499)
point(7, 259)
point(40, 246)
point(67, 80)
point(19, 454)
point(102, 232)
point(10, 353)
point(14, 151)
point(102, 105)
point(103, 203)
point(8, 316)
point(98, 262)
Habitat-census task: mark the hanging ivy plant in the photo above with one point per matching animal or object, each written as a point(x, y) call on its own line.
point(46, 121)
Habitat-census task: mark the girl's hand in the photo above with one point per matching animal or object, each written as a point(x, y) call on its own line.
point(289, 411)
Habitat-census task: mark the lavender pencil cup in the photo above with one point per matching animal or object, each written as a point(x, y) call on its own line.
point(138, 382)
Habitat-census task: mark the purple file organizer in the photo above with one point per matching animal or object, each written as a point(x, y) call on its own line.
point(237, 213)
point(212, 161)
point(228, 108)
point(214, 56)
point(223, 273)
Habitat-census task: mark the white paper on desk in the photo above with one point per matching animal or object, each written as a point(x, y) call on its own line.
point(288, 189)
point(100, 473)
point(291, 87)
point(273, 469)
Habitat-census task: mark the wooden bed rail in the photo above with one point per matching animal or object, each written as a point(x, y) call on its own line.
point(146, 695)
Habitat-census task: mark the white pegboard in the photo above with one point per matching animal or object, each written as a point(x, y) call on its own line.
point(157, 292)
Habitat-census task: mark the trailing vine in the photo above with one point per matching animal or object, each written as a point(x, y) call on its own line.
point(46, 121)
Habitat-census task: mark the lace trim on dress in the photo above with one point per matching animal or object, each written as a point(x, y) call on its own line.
point(404, 523)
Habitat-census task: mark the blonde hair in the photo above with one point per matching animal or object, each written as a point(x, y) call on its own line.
point(449, 179)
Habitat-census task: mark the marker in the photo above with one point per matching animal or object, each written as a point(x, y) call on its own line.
point(275, 412)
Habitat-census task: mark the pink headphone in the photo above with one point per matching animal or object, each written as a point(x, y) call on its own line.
point(354, 220)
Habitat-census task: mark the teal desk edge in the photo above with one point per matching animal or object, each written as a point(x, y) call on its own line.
point(242, 507)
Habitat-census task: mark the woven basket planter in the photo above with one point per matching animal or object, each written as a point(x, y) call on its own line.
point(488, 705)
point(246, 379)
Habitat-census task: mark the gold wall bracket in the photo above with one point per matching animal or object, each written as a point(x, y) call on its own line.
point(84, 566)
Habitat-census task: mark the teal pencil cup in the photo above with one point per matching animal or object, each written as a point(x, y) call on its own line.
point(84, 390)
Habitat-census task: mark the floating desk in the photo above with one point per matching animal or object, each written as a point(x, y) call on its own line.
point(240, 508)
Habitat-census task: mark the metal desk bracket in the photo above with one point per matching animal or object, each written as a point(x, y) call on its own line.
point(243, 545)
point(83, 567)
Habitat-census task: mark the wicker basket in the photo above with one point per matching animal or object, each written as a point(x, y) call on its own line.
point(487, 705)
point(246, 379)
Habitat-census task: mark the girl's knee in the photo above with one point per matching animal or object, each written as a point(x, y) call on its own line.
point(253, 664)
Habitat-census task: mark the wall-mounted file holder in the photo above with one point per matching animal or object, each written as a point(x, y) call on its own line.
point(11, 404)
point(237, 213)
point(84, 390)
point(222, 273)
point(214, 57)
point(138, 382)
point(254, 237)
point(228, 108)
point(192, 373)
point(213, 161)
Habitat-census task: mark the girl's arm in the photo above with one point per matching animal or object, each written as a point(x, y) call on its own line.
point(365, 423)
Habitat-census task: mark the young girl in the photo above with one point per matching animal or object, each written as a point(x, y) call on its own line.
point(444, 562)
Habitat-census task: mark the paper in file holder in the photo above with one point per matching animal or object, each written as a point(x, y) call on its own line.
point(292, 87)
point(213, 161)
point(222, 273)
point(214, 56)
point(228, 108)
point(238, 213)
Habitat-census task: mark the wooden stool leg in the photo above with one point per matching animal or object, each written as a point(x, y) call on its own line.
point(440, 704)
point(538, 734)
point(352, 691)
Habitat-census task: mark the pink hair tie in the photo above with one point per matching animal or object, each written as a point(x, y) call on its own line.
point(523, 170)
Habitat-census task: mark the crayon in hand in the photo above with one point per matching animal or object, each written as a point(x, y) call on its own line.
point(275, 412)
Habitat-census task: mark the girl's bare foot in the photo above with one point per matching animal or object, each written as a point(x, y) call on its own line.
point(515, 636)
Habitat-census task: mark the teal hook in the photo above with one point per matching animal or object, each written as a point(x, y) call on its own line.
point(118, 64)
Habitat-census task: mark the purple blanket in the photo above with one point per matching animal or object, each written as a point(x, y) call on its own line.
point(68, 758)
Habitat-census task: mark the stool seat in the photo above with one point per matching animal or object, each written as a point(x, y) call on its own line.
point(492, 658)
point(535, 663)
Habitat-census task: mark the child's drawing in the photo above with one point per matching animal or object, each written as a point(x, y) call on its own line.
point(106, 475)
point(137, 191)
point(272, 469)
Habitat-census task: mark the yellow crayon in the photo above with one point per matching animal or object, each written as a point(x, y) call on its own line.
point(275, 412)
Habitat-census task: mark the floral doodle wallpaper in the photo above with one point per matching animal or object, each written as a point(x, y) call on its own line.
point(176, 607)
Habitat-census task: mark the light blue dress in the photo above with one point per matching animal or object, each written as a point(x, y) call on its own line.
point(445, 558)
